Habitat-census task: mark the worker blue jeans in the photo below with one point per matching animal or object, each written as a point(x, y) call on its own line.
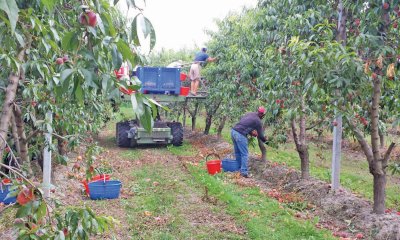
point(240, 143)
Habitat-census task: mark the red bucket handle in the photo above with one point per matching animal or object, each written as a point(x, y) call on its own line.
point(212, 154)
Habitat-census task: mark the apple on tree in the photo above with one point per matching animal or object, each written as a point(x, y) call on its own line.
point(88, 18)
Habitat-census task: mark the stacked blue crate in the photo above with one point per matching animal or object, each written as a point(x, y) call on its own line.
point(159, 80)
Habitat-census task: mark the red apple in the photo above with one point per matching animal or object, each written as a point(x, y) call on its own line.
point(25, 195)
point(88, 18)
point(65, 58)
point(33, 103)
point(59, 61)
point(334, 123)
point(386, 6)
point(76, 166)
point(357, 22)
point(65, 231)
point(374, 76)
point(395, 24)
point(359, 236)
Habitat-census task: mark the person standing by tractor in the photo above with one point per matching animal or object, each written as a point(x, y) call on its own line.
point(249, 124)
point(194, 72)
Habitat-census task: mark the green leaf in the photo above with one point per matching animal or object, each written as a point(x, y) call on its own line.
point(11, 9)
point(20, 39)
point(127, 53)
point(134, 31)
point(24, 211)
point(42, 210)
point(146, 119)
point(152, 32)
point(66, 74)
point(79, 92)
point(49, 4)
point(116, 57)
point(70, 41)
point(108, 24)
point(89, 77)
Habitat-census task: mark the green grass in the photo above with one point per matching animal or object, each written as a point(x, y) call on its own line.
point(261, 215)
point(185, 150)
point(132, 154)
point(160, 207)
point(354, 172)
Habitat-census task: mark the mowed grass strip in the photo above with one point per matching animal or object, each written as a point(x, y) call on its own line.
point(164, 199)
point(354, 173)
point(262, 216)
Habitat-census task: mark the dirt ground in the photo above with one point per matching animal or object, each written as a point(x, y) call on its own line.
point(342, 212)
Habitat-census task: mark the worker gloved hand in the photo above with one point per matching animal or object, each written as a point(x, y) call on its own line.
point(254, 133)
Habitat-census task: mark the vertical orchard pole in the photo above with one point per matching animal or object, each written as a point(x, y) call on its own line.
point(46, 185)
point(337, 128)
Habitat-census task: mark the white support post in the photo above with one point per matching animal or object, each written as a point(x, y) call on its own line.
point(336, 153)
point(46, 185)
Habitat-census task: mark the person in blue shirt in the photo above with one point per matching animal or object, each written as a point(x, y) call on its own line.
point(249, 124)
point(194, 73)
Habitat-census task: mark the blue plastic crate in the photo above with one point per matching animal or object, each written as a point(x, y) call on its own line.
point(108, 189)
point(230, 165)
point(159, 80)
point(4, 191)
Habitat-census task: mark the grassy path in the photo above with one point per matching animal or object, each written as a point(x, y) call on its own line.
point(167, 194)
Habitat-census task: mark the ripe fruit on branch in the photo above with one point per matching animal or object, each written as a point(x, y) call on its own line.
point(334, 123)
point(25, 195)
point(65, 58)
point(395, 25)
point(59, 61)
point(79, 158)
point(359, 236)
point(374, 76)
point(385, 6)
point(88, 18)
point(357, 22)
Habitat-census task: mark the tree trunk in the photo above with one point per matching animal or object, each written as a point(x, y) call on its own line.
point(7, 111)
point(61, 144)
point(379, 193)
point(208, 123)
point(221, 126)
point(263, 150)
point(211, 110)
point(23, 142)
point(193, 115)
point(301, 147)
point(15, 134)
point(10, 94)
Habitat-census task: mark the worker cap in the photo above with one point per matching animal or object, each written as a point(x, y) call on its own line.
point(261, 110)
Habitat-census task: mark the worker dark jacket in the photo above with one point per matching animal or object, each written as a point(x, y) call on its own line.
point(249, 122)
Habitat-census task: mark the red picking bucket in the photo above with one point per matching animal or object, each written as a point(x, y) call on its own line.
point(184, 91)
point(213, 166)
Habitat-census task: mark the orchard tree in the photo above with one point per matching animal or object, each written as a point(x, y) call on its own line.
point(60, 57)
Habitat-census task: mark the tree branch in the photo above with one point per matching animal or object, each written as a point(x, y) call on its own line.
point(360, 138)
point(387, 153)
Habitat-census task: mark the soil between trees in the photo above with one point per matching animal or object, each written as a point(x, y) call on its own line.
point(343, 212)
